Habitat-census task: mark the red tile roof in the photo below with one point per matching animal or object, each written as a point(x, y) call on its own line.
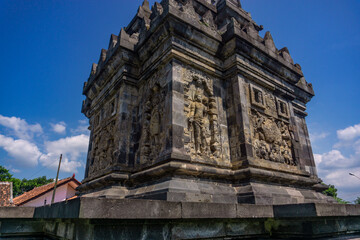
point(39, 191)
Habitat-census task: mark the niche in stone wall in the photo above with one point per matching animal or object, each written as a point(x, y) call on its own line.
point(282, 107)
point(257, 96)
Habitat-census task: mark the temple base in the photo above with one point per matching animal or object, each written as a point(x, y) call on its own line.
point(98, 218)
point(251, 186)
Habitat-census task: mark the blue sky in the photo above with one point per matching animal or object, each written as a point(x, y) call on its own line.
point(48, 46)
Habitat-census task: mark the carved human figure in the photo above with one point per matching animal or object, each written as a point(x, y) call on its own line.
point(154, 127)
point(151, 144)
point(262, 149)
point(276, 155)
point(196, 119)
point(146, 133)
point(287, 157)
point(201, 109)
point(284, 130)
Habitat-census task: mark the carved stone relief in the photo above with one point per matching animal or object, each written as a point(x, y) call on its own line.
point(201, 111)
point(271, 135)
point(282, 108)
point(257, 97)
point(103, 152)
point(152, 138)
point(271, 139)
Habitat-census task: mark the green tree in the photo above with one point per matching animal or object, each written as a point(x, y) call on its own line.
point(357, 201)
point(5, 176)
point(28, 185)
point(332, 192)
point(16, 187)
point(24, 185)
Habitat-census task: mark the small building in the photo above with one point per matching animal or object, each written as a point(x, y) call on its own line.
point(41, 196)
point(6, 193)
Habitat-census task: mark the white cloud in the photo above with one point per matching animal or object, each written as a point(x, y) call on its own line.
point(23, 152)
point(342, 179)
point(82, 128)
point(334, 166)
point(318, 159)
point(357, 147)
point(349, 133)
point(83, 122)
point(71, 148)
point(318, 136)
point(20, 127)
point(59, 127)
point(51, 160)
point(14, 170)
point(335, 159)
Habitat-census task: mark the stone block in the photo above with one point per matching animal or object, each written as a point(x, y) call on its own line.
point(67, 209)
point(245, 229)
point(208, 210)
point(16, 212)
point(352, 210)
point(326, 210)
point(295, 210)
point(20, 227)
point(254, 211)
point(198, 230)
point(128, 209)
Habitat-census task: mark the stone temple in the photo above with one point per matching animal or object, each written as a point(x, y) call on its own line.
point(189, 103)
point(197, 132)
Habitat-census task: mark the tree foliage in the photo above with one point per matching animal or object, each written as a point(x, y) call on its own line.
point(332, 192)
point(357, 201)
point(24, 185)
point(5, 176)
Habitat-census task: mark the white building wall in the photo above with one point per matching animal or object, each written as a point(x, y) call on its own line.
point(61, 195)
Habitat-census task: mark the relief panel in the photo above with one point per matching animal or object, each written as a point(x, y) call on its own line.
point(271, 136)
point(204, 140)
point(153, 136)
point(271, 139)
point(103, 152)
point(152, 120)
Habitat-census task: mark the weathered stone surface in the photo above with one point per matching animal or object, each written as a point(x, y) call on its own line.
point(189, 89)
point(208, 210)
point(128, 209)
point(100, 218)
point(254, 211)
point(19, 212)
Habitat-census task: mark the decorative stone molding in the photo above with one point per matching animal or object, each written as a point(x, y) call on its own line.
point(282, 108)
